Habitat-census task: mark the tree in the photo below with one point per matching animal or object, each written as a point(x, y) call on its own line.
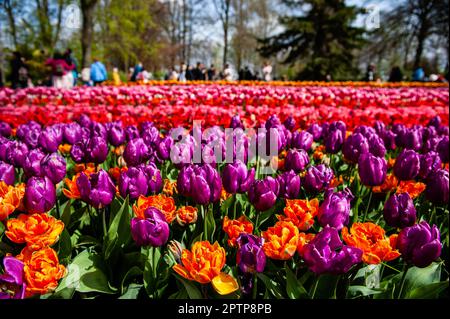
point(322, 36)
point(223, 9)
point(87, 11)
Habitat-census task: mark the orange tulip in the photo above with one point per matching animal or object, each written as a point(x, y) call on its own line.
point(169, 188)
point(281, 240)
point(371, 239)
point(234, 227)
point(202, 263)
point(64, 148)
point(41, 269)
point(162, 202)
point(186, 215)
point(37, 230)
point(10, 198)
point(389, 185)
point(72, 190)
point(413, 188)
point(303, 239)
point(224, 195)
point(301, 212)
point(319, 152)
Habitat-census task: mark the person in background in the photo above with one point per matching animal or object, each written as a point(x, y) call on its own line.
point(396, 74)
point(212, 73)
point(60, 69)
point(227, 73)
point(116, 77)
point(182, 75)
point(173, 74)
point(248, 75)
point(70, 60)
point(137, 69)
point(199, 73)
point(19, 71)
point(370, 73)
point(189, 73)
point(86, 76)
point(267, 71)
point(418, 75)
point(98, 72)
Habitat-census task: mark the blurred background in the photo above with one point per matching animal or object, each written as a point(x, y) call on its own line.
point(301, 40)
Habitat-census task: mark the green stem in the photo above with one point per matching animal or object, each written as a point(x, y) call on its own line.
point(205, 226)
point(313, 293)
point(405, 271)
point(255, 288)
point(103, 213)
point(367, 207)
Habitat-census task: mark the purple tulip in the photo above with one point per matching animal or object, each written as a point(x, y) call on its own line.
point(376, 145)
point(263, 193)
point(85, 121)
point(7, 173)
point(335, 209)
point(389, 140)
point(407, 165)
point(32, 164)
point(435, 121)
point(31, 137)
point(153, 174)
point(334, 141)
point(289, 185)
point(136, 152)
point(4, 146)
point(289, 123)
point(372, 170)
point(5, 129)
point(49, 139)
point(16, 153)
point(40, 195)
point(325, 253)
point(438, 187)
point(131, 132)
point(399, 211)
point(201, 182)
point(96, 150)
point(236, 122)
point(296, 160)
point(250, 256)
point(99, 130)
point(72, 133)
point(316, 131)
point(12, 283)
point(236, 178)
point(429, 163)
point(413, 140)
point(133, 182)
point(163, 148)
point(317, 178)
point(153, 230)
point(116, 134)
point(443, 149)
point(96, 189)
point(355, 145)
point(54, 167)
point(302, 140)
point(78, 152)
point(419, 244)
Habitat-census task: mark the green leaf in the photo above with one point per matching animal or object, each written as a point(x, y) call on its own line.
point(132, 292)
point(210, 225)
point(191, 289)
point(419, 277)
point(65, 247)
point(2, 228)
point(294, 288)
point(66, 213)
point(132, 272)
point(87, 268)
point(273, 287)
point(430, 291)
point(119, 232)
point(356, 291)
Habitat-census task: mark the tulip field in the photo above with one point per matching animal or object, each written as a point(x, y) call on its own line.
point(216, 190)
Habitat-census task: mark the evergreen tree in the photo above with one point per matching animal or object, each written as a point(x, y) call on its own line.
point(322, 38)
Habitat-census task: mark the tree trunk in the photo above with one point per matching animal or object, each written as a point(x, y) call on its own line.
point(12, 22)
point(421, 37)
point(226, 24)
point(87, 10)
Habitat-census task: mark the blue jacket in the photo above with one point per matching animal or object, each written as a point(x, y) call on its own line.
point(98, 72)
